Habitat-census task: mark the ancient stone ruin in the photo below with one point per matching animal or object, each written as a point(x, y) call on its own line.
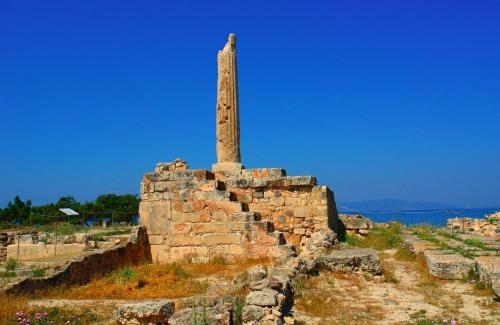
point(230, 210)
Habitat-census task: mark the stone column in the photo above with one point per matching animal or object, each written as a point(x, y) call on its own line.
point(228, 117)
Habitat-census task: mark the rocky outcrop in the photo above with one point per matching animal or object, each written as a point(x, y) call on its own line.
point(487, 227)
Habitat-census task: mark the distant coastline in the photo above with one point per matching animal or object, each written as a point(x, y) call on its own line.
point(436, 217)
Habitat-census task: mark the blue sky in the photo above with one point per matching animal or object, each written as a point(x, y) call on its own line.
point(378, 99)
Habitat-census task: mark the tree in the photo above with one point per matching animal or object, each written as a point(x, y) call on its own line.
point(17, 210)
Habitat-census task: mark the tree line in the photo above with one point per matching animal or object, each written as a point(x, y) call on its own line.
point(118, 208)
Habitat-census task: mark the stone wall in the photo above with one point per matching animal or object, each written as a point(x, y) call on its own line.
point(30, 252)
point(6, 239)
point(249, 213)
point(84, 268)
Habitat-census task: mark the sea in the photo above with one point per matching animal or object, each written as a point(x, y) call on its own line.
point(432, 217)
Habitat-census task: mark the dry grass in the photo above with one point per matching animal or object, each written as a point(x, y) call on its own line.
point(336, 304)
point(10, 305)
point(150, 281)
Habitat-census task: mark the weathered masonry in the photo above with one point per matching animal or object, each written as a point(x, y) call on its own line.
point(230, 211)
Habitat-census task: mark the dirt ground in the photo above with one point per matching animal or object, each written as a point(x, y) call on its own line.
point(405, 295)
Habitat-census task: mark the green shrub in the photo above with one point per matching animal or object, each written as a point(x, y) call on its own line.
point(403, 254)
point(238, 311)
point(179, 271)
point(38, 272)
point(352, 240)
point(477, 243)
point(10, 264)
point(380, 238)
point(123, 275)
point(8, 274)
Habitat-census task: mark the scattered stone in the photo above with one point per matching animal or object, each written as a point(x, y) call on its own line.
point(253, 314)
point(256, 273)
point(319, 243)
point(145, 312)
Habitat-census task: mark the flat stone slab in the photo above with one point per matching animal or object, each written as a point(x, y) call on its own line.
point(446, 265)
point(351, 260)
point(145, 312)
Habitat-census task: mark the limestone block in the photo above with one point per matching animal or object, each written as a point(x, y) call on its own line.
point(39, 251)
point(300, 181)
point(213, 195)
point(159, 254)
point(258, 194)
point(245, 217)
point(227, 250)
point(24, 239)
point(265, 298)
point(227, 167)
point(226, 206)
point(486, 266)
point(277, 201)
point(302, 212)
point(181, 228)
point(263, 172)
point(195, 254)
point(155, 216)
point(350, 260)
point(184, 240)
point(447, 265)
point(177, 164)
point(210, 227)
point(156, 239)
point(299, 231)
point(144, 312)
point(293, 201)
point(255, 273)
point(220, 216)
point(180, 217)
point(221, 239)
point(253, 314)
point(160, 186)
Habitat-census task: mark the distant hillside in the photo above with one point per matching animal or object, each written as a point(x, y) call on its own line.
point(391, 204)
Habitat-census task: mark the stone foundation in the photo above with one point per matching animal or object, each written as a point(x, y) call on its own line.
point(82, 269)
point(237, 214)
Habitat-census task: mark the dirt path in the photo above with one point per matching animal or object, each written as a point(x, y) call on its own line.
point(406, 294)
